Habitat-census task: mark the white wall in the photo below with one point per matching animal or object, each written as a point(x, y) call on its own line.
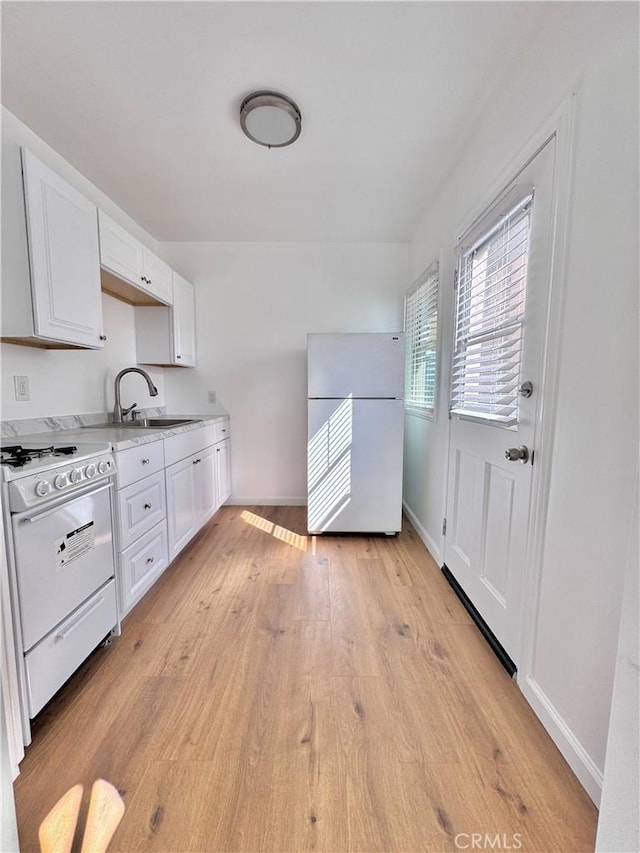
point(67, 382)
point(63, 382)
point(619, 822)
point(255, 304)
point(593, 48)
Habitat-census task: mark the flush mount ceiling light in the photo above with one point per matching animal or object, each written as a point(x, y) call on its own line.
point(270, 119)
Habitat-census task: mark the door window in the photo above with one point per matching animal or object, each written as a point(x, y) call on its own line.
point(490, 304)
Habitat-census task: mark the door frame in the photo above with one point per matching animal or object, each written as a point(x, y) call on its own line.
point(561, 126)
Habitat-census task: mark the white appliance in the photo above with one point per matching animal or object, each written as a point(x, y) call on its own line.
point(355, 432)
point(59, 529)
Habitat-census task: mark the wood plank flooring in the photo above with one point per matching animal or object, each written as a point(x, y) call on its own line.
point(278, 692)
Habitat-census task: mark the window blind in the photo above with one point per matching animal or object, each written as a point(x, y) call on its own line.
point(421, 333)
point(490, 304)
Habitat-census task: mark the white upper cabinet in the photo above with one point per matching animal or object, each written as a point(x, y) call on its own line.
point(166, 336)
point(184, 322)
point(130, 270)
point(120, 253)
point(65, 308)
point(157, 275)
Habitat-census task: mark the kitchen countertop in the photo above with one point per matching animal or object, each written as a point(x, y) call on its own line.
point(119, 438)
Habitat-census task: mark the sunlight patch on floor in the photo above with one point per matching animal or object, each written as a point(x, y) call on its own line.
point(278, 532)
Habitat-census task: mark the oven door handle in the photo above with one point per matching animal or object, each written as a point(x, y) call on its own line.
point(35, 516)
point(66, 629)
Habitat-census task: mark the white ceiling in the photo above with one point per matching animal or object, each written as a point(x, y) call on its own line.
point(143, 99)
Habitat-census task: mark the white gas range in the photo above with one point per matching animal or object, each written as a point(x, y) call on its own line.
point(59, 528)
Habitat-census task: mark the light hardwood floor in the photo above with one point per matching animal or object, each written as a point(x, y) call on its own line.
point(278, 692)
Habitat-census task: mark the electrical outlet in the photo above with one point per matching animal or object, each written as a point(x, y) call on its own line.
point(212, 396)
point(21, 386)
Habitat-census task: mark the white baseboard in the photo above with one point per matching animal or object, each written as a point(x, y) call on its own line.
point(266, 501)
point(429, 542)
point(576, 756)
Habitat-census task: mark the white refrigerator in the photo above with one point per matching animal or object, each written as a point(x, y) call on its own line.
point(355, 432)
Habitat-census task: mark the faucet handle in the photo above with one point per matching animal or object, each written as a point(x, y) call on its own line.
point(126, 411)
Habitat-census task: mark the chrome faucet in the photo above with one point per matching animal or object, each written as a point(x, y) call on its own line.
point(118, 411)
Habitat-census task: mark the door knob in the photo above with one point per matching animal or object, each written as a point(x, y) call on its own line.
point(517, 454)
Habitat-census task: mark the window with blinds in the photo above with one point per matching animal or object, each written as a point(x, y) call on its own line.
point(490, 304)
point(421, 335)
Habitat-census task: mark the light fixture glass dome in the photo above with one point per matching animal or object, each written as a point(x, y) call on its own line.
point(270, 119)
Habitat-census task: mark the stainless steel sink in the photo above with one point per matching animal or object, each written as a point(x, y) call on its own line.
point(145, 423)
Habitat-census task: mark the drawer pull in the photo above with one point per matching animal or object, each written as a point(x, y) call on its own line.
point(147, 506)
point(71, 626)
point(150, 560)
point(146, 461)
point(197, 461)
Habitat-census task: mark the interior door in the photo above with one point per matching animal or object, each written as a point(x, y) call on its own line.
point(488, 494)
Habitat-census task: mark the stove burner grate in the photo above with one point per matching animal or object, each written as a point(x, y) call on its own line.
point(16, 455)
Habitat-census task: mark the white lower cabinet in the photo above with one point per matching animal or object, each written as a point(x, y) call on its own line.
point(141, 564)
point(141, 512)
point(182, 503)
point(160, 509)
point(194, 491)
point(223, 471)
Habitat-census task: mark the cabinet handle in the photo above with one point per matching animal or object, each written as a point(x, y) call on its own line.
point(103, 337)
point(150, 559)
point(196, 461)
point(65, 630)
point(147, 506)
point(145, 461)
point(178, 356)
point(217, 450)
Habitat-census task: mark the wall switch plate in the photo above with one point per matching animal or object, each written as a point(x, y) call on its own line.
point(212, 396)
point(21, 386)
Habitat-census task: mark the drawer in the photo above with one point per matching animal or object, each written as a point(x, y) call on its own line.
point(57, 656)
point(141, 564)
point(222, 431)
point(178, 447)
point(138, 462)
point(140, 507)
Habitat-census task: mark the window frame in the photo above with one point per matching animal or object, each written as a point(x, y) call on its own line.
point(429, 283)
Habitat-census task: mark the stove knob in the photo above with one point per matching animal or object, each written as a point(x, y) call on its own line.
point(90, 471)
point(76, 475)
point(103, 467)
point(43, 487)
point(61, 481)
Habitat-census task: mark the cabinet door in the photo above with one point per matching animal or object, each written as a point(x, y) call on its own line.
point(140, 507)
point(207, 483)
point(120, 253)
point(223, 471)
point(63, 256)
point(141, 565)
point(183, 504)
point(184, 322)
point(158, 276)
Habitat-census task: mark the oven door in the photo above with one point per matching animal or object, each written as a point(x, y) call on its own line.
point(63, 554)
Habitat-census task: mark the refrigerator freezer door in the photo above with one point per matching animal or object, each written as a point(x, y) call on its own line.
point(354, 471)
point(357, 365)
